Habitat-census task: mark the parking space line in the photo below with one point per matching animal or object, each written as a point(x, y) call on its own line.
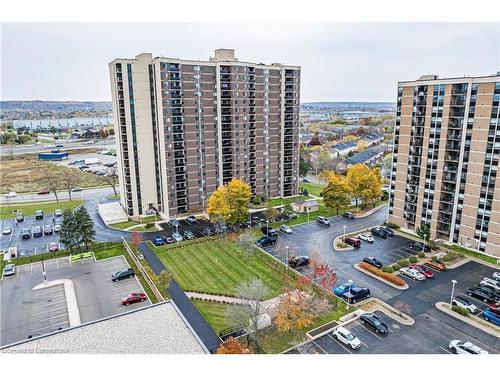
point(443, 349)
point(339, 343)
point(317, 345)
point(366, 329)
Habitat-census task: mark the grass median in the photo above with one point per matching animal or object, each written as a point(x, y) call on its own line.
point(28, 209)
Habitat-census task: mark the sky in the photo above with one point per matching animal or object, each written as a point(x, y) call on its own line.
point(340, 61)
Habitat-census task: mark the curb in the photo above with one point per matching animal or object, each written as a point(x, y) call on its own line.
point(473, 320)
point(373, 210)
point(71, 301)
point(389, 310)
point(380, 279)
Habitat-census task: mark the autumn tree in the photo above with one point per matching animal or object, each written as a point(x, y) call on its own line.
point(349, 138)
point(271, 213)
point(229, 203)
point(314, 141)
point(293, 312)
point(365, 183)
point(162, 281)
point(233, 346)
point(52, 181)
point(323, 161)
point(136, 238)
point(362, 145)
point(337, 193)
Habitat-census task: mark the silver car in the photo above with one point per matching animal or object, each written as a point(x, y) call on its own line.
point(366, 237)
point(414, 274)
point(9, 270)
point(177, 237)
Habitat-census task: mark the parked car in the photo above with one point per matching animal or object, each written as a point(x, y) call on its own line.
point(377, 232)
point(48, 229)
point(486, 281)
point(9, 270)
point(82, 167)
point(246, 224)
point(291, 215)
point(481, 294)
point(58, 213)
point(356, 294)
point(19, 217)
point(461, 347)
point(44, 192)
point(424, 270)
point(76, 190)
point(285, 229)
point(25, 233)
point(57, 225)
point(38, 215)
point(10, 194)
point(188, 235)
point(123, 274)
point(191, 219)
point(177, 237)
point(354, 242)
point(323, 221)
point(496, 275)
point(348, 215)
point(373, 261)
point(298, 261)
point(173, 223)
point(373, 321)
point(305, 179)
point(168, 240)
point(414, 274)
point(489, 289)
point(490, 316)
point(133, 298)
point(366, 237)
point(464, 303)
point(207, 232)
point(346, 337)
point(495, 307)
point(343, 288)
point(6, 231)
point(158, 241)
point(435, 265)
point(52, 247)
point(389, 232)
point(37, 231)
point(270, 232)
point(265, 241)
point(419, 246)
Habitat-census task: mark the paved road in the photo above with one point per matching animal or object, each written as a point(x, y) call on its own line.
point(84, 194)
point(6, 151)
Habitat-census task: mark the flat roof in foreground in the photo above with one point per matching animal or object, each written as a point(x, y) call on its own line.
point(155, 329)
point(112, 213)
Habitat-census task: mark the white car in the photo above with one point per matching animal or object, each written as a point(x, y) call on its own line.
point(346, 337)
point(464, 303)
point(10, 194)
point(496, 275)
point(285, 229)
point(366, 237)
point(491, 283)
point(460, 347)
point(177, 237)
point(58, 212)
point(414, 274)
point(9, 270)
point(57, 227)
point(6, 231)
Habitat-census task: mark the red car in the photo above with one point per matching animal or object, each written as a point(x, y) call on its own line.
point(423, 269)
point(43, 192)
point(495, 307)
point(133, 298)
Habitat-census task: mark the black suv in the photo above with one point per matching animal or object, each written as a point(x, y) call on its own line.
point(19, 217)
point(265, 241)
point(25, 233)
point(298, 261)
point(481, 294)
point(373, 261)
point(207, 232)
point(38, 215)
point(374, 322)
point(356, 294)
point(419, 246)
point(388, 232)
point(123, 274)
point(348, 215)
point(323, 221)
point(377, 232)
point(269, 232)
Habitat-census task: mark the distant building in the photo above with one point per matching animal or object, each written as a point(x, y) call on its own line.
point(370, 156)
point(63, 123)
point(373, 139)
point(343, 149)
point(305, 206)
point(53, 156)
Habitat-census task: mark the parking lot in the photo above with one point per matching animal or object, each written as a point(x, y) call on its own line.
point(33, 245)
point(184, 225)
point(26, 313)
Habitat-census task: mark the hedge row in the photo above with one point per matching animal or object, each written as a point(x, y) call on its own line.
point(385, 275)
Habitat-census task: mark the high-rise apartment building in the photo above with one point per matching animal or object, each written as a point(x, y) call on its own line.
point(446, 151)
point(185, 127)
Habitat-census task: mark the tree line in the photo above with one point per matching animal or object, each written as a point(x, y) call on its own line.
point(77, 230)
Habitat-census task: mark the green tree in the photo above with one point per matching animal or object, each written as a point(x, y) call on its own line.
point(337, 193)
point(68, 234)
point(424, 232)
point(85, 226)
point(304, 166)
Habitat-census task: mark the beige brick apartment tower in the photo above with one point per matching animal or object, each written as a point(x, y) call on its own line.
point(185, 127)
point(446, 151)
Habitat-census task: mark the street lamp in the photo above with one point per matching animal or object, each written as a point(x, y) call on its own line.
point(343, 238)
point(453, 282)
point(350, 282)
point(267, 227)
point(287, 251)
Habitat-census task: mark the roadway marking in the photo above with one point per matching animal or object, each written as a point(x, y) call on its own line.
point(339, 343)
point(319, 347)
point(366, 329)
point(443, 349)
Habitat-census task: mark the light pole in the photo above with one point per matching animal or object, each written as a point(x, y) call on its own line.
point(348, 300)
point(267, 227)
point(343, 238)
point(287, 251)
point(453, 282)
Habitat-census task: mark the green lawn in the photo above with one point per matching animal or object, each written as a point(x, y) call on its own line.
point(219, 266)
point(312, 189)
point(214, 313)
point(114, 196)
point(29, 209)
point(471, 253)
point(282, 201)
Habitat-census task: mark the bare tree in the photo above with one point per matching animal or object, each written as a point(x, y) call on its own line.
point(53, 182)
point(247, 314)
point(69, 179)
point(246, 242)
point(112, 179)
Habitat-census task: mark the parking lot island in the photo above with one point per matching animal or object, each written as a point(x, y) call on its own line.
point(403, 287)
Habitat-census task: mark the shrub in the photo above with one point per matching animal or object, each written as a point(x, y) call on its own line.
point(396, 267)
point(385, 195)
point(387, 269)
point(305, 192)
point(149, 225)
point(257, 200)
point(392, 225)
point(461, 310)
point(434, 258)
point(403, 263)
point(448, 257)
point(413, 259)
point(421, 254)
point(385, 275)
point(433, 245)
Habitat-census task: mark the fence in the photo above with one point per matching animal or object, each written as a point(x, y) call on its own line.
point(150, 282)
